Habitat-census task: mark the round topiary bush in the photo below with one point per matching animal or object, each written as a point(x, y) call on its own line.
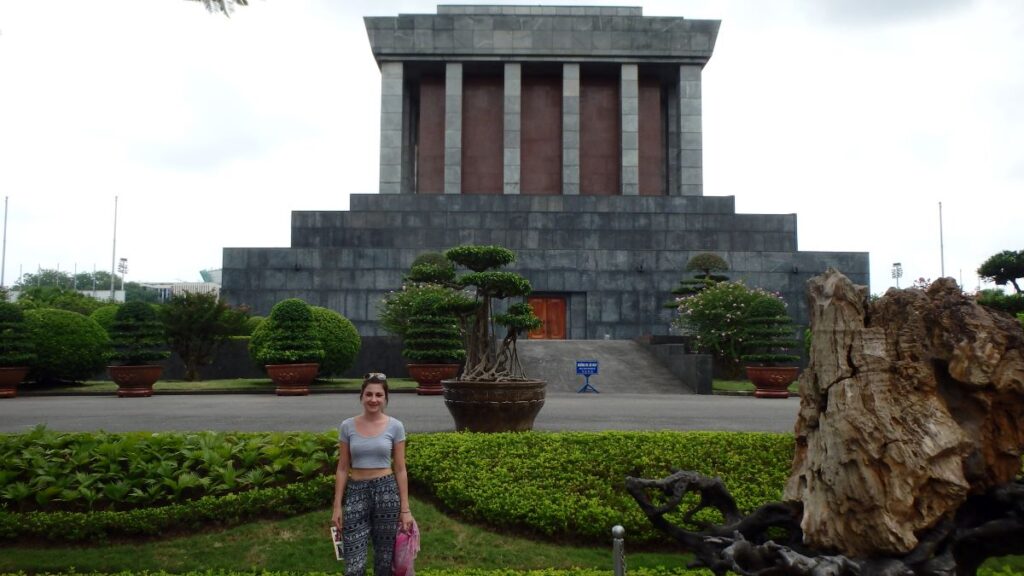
point(431, 267)
point(104, 316)
point(16, 347)
point(69, 346)
point(339, 339)
point(137, 335)
point(252, 323)
point(287, 336)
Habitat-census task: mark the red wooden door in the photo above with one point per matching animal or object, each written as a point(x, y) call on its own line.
point(551, 310)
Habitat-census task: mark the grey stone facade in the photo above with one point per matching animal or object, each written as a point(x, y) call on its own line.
point(614, 259)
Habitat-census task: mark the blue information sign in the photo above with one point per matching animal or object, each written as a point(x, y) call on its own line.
point(586, 368)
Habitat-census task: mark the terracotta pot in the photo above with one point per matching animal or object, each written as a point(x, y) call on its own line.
point(494, 406)
point(429, 377)
point(772, 381)
point(10, 377)
point(292, 379)
point(135, 381)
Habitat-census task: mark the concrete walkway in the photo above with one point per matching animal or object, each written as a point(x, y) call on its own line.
point(256, 412)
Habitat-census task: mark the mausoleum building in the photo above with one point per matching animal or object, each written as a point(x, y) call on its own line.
point(571, 135)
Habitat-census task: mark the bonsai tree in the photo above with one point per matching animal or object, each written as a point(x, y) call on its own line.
point(137, 335)
point(1003, 268)
point(519, 318)
point(769, 333)
point(483, 361)
point(706, 263)
point(16, 346)
point(290, 336)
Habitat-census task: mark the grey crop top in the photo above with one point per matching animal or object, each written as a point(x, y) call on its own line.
point(371, 451)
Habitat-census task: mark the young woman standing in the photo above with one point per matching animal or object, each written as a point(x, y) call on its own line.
point(371, 488)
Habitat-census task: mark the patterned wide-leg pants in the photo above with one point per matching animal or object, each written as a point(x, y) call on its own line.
point(371, 509)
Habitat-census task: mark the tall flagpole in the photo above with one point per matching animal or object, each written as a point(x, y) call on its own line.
point(942, 248)
point(113, 255)
point(3, 259)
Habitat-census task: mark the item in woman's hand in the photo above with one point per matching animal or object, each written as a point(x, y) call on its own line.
point(336, 540)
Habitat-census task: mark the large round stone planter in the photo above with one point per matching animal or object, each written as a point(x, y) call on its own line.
point(10, 377)
point(429, 376)
point(292, 379)
point(135, 381)
point(772, 381)
point(494, 406)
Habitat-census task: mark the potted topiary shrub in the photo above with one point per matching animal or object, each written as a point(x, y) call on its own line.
point(421, 314)
point(69, 347)
point(769, 340)
point(291, 352)
point(138, 340)
point(16, 349)
point(433, 346)
point(492, 394)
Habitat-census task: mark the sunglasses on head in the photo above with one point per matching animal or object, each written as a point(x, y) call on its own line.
point(378, 376)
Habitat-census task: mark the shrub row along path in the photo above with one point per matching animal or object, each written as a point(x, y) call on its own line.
point(320, 412)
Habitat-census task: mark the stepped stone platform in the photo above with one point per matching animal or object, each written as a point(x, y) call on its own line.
point(613, 259)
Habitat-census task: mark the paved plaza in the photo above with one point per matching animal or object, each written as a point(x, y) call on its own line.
point(319, 412)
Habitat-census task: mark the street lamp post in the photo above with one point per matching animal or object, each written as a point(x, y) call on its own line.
point(897, 272)
point(122, 268)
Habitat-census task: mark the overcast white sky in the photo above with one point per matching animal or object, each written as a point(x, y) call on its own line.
point(861, 116)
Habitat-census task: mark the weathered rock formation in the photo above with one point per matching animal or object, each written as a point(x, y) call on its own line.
point(909, 440)
point(909, 404)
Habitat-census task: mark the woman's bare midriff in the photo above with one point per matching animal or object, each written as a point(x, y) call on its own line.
point(368, 473)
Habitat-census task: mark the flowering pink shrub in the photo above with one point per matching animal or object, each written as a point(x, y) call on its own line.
point(716, 318)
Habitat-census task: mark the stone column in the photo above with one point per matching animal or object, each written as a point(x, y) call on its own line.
point(513, 119)
point(391, 136)
point(630, 94)
point(453, 128)
point(691, 166)
point(570, 129)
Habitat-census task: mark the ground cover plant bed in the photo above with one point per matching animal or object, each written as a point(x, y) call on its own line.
point(483, 502)
point(233, 385)
point(570, 486)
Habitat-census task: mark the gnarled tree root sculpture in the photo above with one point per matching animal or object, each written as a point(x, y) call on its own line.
point(908, 445)
point(986, 526)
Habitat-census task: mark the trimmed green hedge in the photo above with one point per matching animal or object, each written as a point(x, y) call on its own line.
point(660, 571)
point(572, 484)
point(225, 510)
point(467, 572)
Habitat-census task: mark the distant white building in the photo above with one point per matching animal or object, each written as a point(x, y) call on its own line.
point(168, 289)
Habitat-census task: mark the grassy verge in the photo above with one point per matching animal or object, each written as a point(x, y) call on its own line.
point(300, 544)
point(740, 387)
point(253, 385)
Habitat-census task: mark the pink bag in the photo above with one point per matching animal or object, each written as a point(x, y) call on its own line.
point(407, 546)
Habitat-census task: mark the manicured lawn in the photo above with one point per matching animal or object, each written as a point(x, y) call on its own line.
point(300, 544)
point(255, 385)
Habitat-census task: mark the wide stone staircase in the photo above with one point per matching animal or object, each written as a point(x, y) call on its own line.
point(625, 366)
